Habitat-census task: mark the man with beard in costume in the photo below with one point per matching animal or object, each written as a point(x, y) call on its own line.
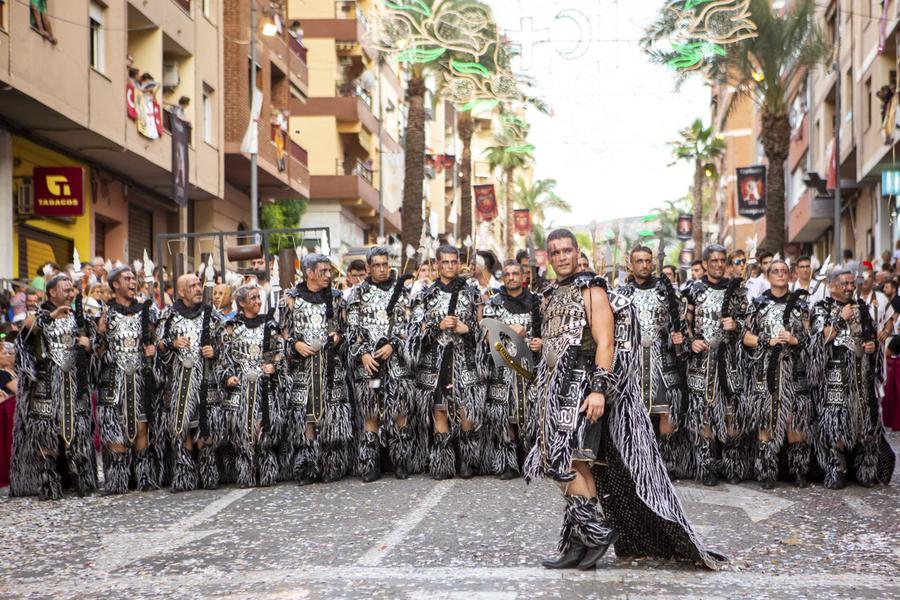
point(377, 319)
point(661, 316)
point(716, 411)
point(776, 338)
point(53, 408)
point(508, 425)
point(250, 371)
point(189, 332)
point(845, 373)
point(595, 435)
point(441, 346)
point(318, 426)
point(126, 399)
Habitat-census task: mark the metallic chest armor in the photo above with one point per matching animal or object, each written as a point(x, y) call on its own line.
point(181, 326)
point(59, 341)
point(246, 348)
point(497, 311)
point(439, 306)
point(372, 313)
point(849, 337)
point(564, 322)
point(708, 313)
point(123, 339)
point(309, 323)
point(651, 313)
point(771, 318)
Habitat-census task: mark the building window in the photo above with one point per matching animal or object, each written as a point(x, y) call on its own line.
point(208, 114)
point(97, 37)
point(868, 106)
point(207, 8)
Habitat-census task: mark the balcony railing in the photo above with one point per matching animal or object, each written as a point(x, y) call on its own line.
point(354, 167)
point(298, 152)
point(185, 4)
point(348, 89)
point(297, 47)
point(167, 124)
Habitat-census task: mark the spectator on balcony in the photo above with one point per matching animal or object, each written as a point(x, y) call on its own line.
point(180, 109)
point(296, 31)
point(40, 20)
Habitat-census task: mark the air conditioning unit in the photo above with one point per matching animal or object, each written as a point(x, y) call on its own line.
point(171, 78)
point(25, 197)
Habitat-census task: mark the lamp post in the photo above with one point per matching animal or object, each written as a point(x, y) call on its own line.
point(254, 184)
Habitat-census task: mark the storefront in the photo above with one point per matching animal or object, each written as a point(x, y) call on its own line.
point(52, 208)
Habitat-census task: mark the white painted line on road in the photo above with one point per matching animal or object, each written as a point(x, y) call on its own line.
point(429, 595)
point(122, 548)
point(376, 553)
point(758, 506)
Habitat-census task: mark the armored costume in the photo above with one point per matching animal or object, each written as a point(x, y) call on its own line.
point(447, 371)
point(777, 398)
point(252, 408)
point(661, 311)
point(127, 395)
point(508, 403)
point(191, 400)
point(714, 379)
point(637, 498)
point(318, 394)
point(844, 382)
point(377, 315)
point(53, 408)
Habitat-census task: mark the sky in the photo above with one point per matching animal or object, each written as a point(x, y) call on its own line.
point(613, 112)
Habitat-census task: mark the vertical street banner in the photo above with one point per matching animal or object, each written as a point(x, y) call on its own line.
point(485, 201)
point(180, 179)
point(751, 184)
point(522, 221)
point(685, 226)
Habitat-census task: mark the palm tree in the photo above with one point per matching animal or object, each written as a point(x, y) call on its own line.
point(699, 146)
point(761, 68)
point(538, 198)
point(508, 160)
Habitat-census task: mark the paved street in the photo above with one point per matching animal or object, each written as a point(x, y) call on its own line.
point(421, 539)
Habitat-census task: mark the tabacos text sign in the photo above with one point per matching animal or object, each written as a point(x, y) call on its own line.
point(58, 191)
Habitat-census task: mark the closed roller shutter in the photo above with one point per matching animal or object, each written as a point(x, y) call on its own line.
point(38, 247)
point(99, 238)
point(140, 232)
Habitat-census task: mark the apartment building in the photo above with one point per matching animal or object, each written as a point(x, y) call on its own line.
point(68, 99)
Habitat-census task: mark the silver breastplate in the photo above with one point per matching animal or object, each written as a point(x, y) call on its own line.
point(650, 311)
point(708, 313)
point(510, 318)
point(564, 315)
point(372, 312)
point(849, 337)
point(191, 329)
point(123, 340)
point(771, 318)
point(59, 341)
point(309, 322)
point(247, 347)
point(439, 306)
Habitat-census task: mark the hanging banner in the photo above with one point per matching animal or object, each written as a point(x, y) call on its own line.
point(147, 124)
point(751, 182)
point(58, 191)
point(485, 201)
point(130, 101)
point(180, 179)
point(439, 162)
point(685, 226)
point(522, 221)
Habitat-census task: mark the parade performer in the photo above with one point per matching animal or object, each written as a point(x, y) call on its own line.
point(661, 314)
point(845, 373)
point(441, 349)
point(508, 424)
point(318, 426)
point(250, 369)
point(189, 333)
point(776, 338)
point(377, 320)
point(595, 435)
point(53, 404)
point(716, 412)
point(126, 401)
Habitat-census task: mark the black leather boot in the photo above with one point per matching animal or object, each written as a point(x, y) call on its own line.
point(568, 559)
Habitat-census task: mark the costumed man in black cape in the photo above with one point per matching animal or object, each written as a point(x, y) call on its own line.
point(594, 434)
point(126, 401)
point(845, 373)
point(53, 409)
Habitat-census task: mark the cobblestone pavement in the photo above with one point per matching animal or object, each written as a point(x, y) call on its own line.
point(421, 539)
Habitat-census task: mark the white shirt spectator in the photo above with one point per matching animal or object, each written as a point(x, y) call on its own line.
point(756, 286)
point(814, 297)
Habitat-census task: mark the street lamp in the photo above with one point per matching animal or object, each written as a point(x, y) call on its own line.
point(269, 29)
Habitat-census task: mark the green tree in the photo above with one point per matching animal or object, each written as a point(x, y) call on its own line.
point(762, 68)
point(284, 213)
point(508, 160)
point(538, 198)
point(700, 147)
